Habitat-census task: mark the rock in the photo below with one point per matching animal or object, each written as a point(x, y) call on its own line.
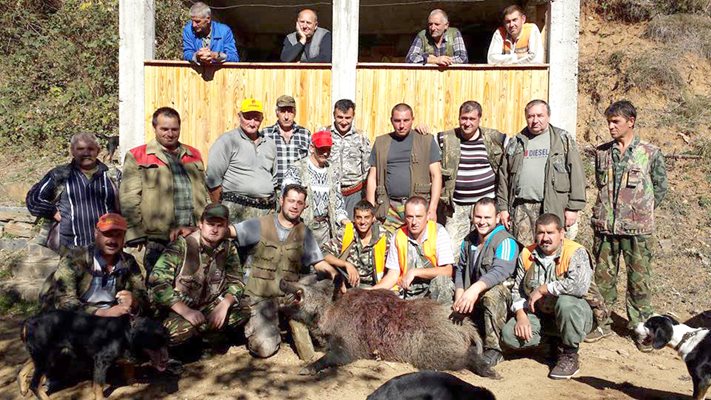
point(2, 230)
point(623, 353)
point(17, 216)
point(666, 244)
point(20, 229)
point(12, 244)
point(26, 289)
point(36, 266)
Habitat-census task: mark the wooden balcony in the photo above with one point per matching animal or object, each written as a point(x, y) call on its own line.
point(208, 98)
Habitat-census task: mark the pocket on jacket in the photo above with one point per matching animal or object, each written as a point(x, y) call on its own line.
point(561, 177)
point(151, 176)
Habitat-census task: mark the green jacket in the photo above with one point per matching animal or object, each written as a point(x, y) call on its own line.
point(494, 143)
point(197, 275)
point(564, 187)
point(64, 288)
point(629, 189)
point(146, 192)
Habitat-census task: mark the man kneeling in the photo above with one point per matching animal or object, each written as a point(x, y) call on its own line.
point(197, 281)
point(552, 279)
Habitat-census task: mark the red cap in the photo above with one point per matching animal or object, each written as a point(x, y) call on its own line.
point(322, 139)
point(111, 221)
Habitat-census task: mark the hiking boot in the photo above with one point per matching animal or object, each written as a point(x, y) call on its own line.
point(492, 357)
point(598, 334)
point(567, 365)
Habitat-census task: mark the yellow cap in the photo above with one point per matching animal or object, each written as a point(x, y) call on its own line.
point(251, 104)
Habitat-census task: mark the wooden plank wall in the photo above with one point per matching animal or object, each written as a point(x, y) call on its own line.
point(208, 105)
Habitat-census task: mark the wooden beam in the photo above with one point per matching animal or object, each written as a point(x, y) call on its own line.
point(345, 49)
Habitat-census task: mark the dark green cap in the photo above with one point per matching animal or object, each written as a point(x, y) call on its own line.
point(215, 210)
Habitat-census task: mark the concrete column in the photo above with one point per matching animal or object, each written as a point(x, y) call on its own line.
point(564, 25)
point(136, 44)
point(345, 49)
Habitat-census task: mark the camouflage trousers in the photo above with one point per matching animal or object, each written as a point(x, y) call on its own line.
point(147, 255)
point(395, 217)
point(458, 226)
point(181, 330)
point(241, 212)
point(637, 254)
point(321, 231)
point(490, 315)
point(523, 221)
point(570, 320)
point(440, 289)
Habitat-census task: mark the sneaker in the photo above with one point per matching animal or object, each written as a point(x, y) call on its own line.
point(566, 367)
point(598, 334)
point(492, 357)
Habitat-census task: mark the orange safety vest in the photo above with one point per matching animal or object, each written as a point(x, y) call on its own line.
point(429, 246)
point(378, 250)
point(521, 43)
point(569, 248)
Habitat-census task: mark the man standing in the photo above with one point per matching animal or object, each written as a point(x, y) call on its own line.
point(242, 166)
point(420, 257)
point(551, 280)
point(541, 172)
point(277, 247)
point(438, 44)
point(206, 41)
point(310, 43)
point(471, 156)
point(632, 181)
point(324, 214)
point(516, 42)
point(75, 195)
point(292, 140)
point(349, 154)
point(487, 260)
point(403, 164)
point(197, 281)
point(362, 248)
point(163, 187)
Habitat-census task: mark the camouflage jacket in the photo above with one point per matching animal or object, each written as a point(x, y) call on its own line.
point(361, 255)
point(630, 186)
point(65, 288)
point(564, 187)
point(219, 272)
point(350, 155)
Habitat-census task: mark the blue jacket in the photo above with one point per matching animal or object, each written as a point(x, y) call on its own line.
point(222, 41)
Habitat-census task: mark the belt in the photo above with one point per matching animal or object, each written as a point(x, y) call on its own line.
point(349, 190)
point(261, 203)
point(400, 200)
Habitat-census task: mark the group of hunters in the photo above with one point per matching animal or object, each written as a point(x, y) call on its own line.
point(475, 219)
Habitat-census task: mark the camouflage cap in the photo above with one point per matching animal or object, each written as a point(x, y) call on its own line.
point(215, 210)
point(285, 101)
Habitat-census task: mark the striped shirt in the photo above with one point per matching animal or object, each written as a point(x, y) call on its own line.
point(288, 152)
point(80, 205)
point(475, 177)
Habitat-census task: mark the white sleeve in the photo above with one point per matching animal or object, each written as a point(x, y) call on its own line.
point(444, 247)
point(391, 262)
point(494, 55)
point(539, 52)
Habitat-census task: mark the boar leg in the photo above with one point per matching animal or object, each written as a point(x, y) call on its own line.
point(336, 355)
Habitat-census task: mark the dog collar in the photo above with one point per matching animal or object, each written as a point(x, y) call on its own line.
point(687, 336)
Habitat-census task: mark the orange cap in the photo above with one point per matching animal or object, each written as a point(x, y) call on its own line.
point(111, 221)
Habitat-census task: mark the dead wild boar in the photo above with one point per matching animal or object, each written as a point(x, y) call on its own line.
point(377, 324)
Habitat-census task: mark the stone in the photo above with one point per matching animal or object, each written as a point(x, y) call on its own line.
point(12, 244)
point(19, 229)
point(25, 289)
point(17, 216)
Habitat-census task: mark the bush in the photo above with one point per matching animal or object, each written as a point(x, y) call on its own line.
point(686, 31)
point(633, 11)
point(654, 69)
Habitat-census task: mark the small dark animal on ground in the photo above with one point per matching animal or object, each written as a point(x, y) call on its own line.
point(426, 385)
point(377, 324)
point(112, 143)
point(692, 344)
point(49, 337)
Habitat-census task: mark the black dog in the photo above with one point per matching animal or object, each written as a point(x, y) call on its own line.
point(49, 337)
point(429, 385)
point(692, 344)
point(112, 143)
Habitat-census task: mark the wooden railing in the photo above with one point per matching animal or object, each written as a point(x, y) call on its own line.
point(208, 98)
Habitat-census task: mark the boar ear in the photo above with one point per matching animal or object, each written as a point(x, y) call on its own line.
point(338, 286)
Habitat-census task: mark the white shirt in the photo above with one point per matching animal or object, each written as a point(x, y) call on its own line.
point(444, 249)
point(536, 54)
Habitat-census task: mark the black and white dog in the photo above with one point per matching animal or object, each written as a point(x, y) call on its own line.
point(692, 344)
point(429, 385)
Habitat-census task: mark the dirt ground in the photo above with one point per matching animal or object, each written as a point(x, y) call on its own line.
point(612, 369)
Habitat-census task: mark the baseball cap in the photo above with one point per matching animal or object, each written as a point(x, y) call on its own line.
point(251, 104)
point(286, 101)
point(111, 221)
point(215, 210)
point(322, 139)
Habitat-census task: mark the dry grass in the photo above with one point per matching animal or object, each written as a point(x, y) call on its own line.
point(652, 70)
point(633, 11)
point(689, 32)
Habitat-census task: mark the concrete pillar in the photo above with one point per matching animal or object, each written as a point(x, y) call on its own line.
point(345, 49)
point(564, 25)
point(136, 44)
